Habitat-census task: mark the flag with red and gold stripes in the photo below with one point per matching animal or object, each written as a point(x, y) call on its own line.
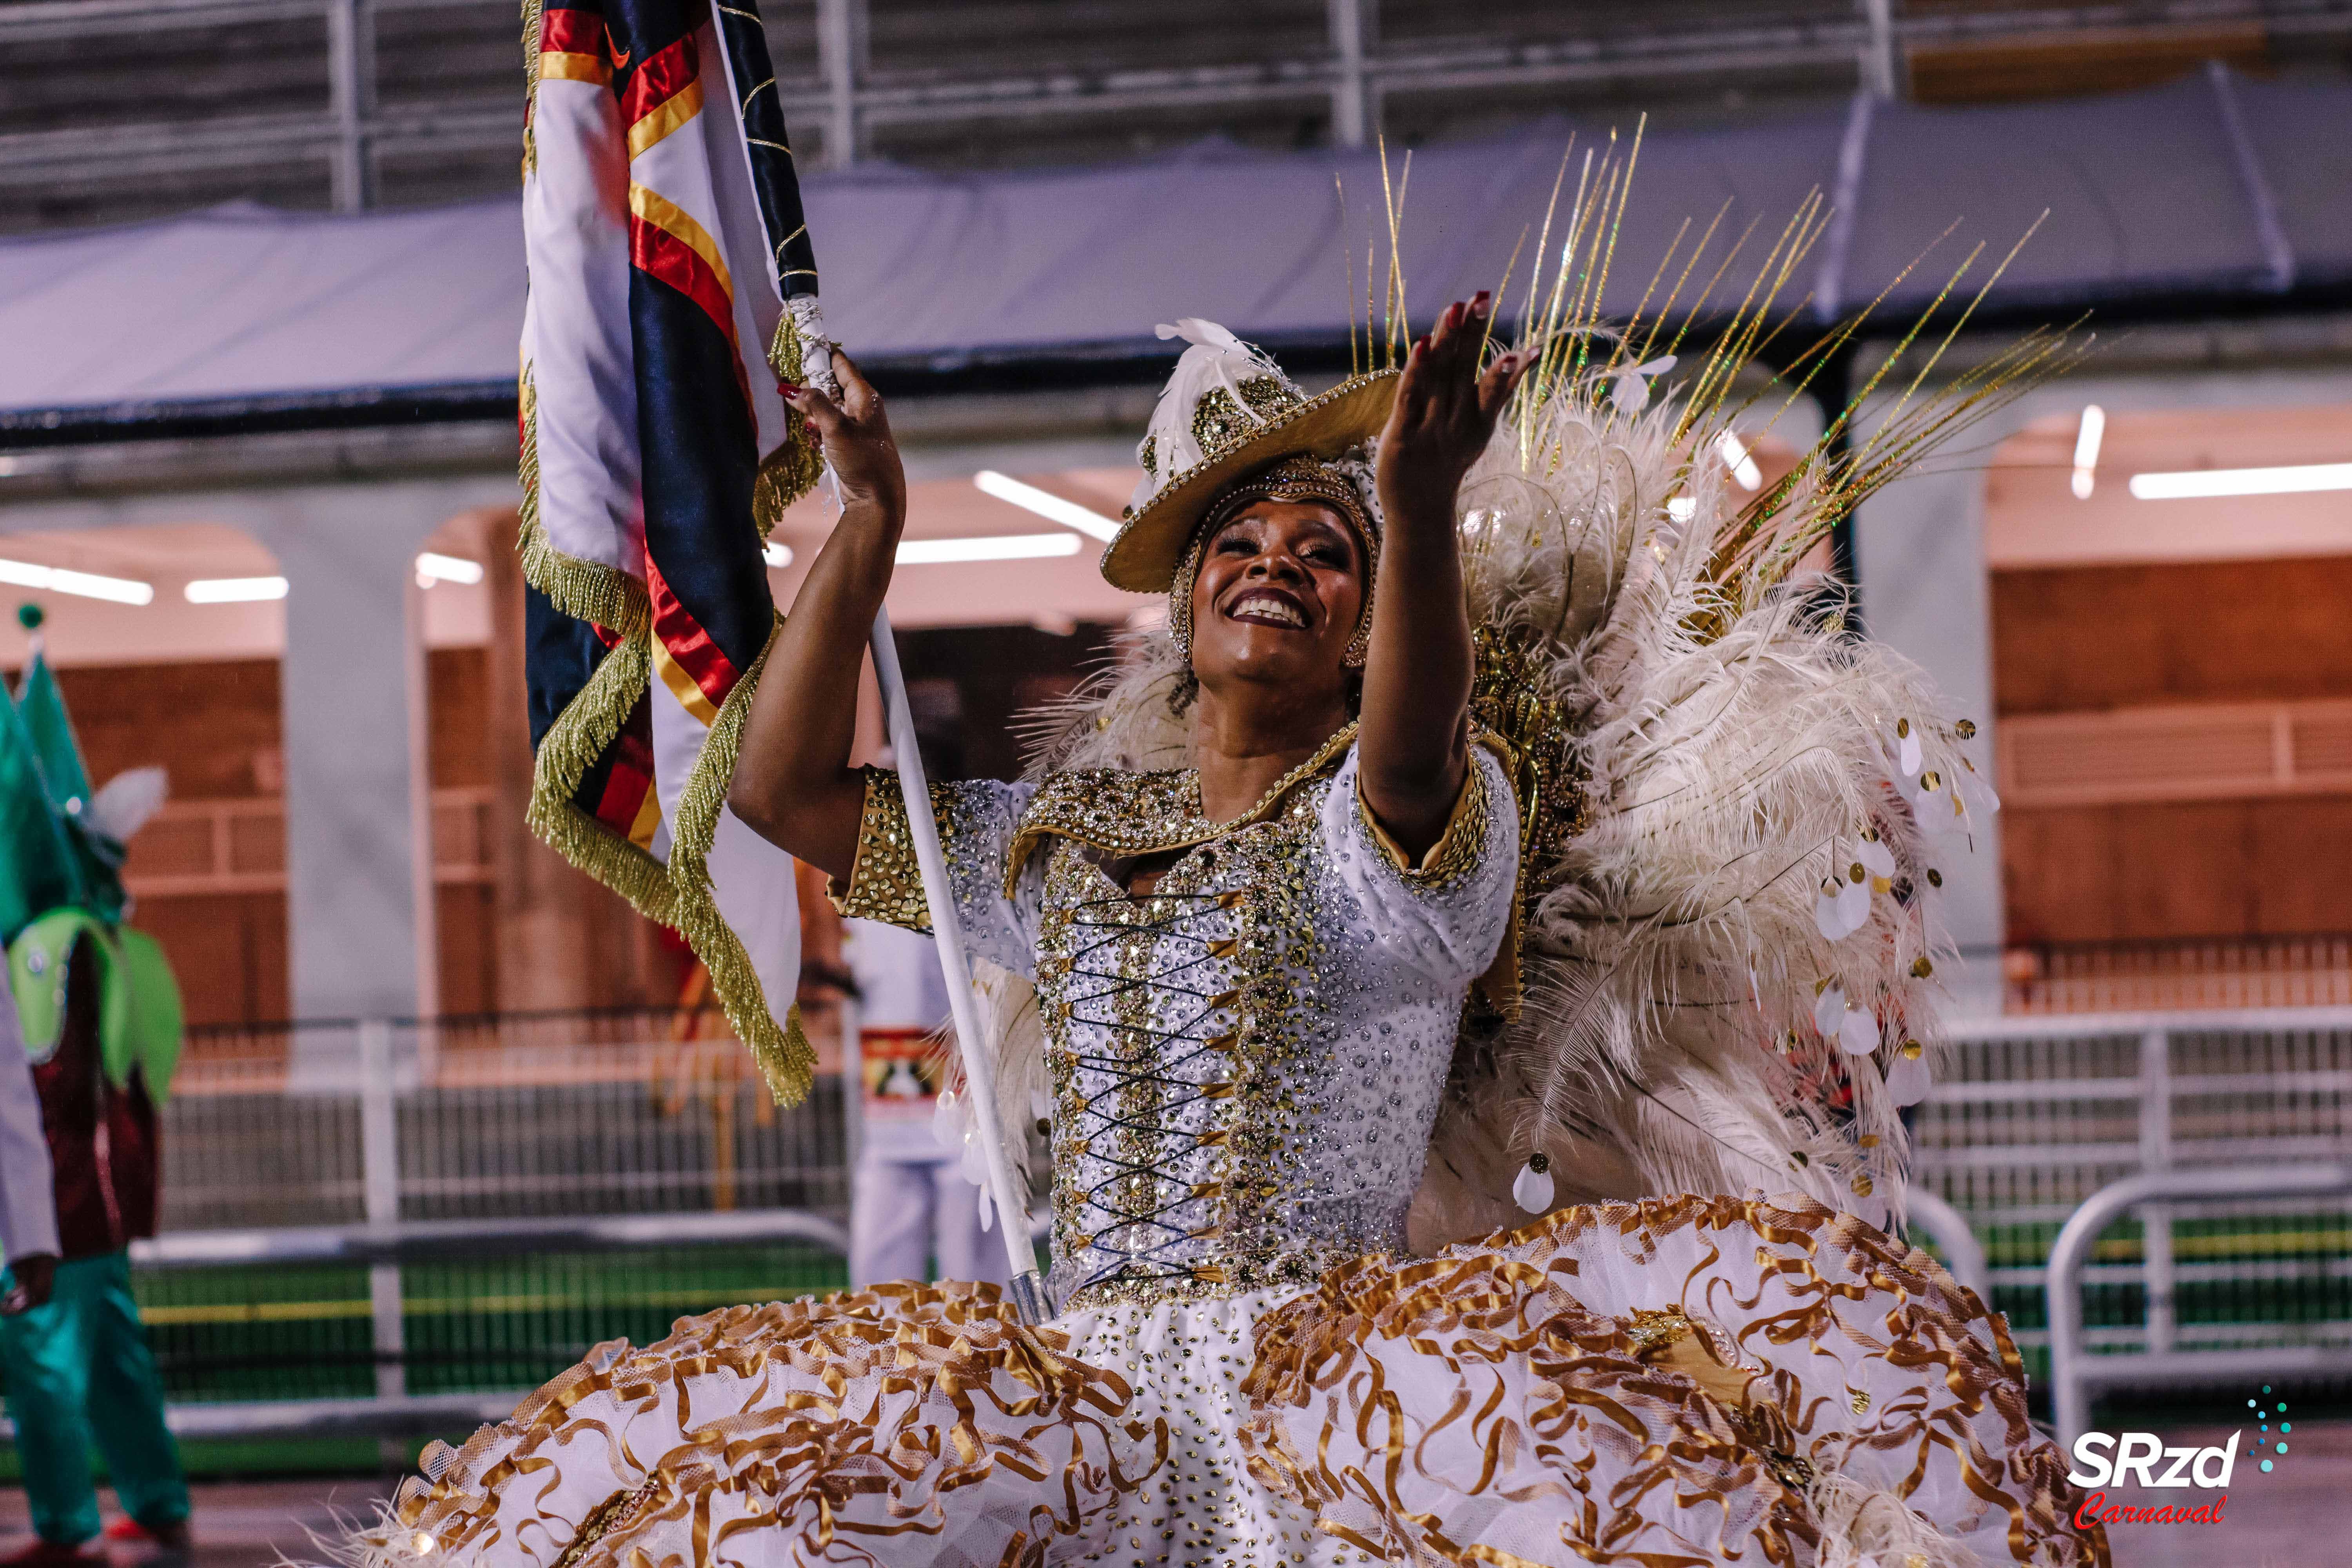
point(672, 284)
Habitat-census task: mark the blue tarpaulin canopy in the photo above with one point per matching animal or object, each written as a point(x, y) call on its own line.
point(2212, 189)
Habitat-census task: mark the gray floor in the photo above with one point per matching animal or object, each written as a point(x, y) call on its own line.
point(243, 1524)
point(2299, 1516)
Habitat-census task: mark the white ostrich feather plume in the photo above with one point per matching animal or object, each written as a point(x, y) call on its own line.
point(1732, 744)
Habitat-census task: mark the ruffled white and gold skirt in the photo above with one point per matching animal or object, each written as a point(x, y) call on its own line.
point(1686, 1381)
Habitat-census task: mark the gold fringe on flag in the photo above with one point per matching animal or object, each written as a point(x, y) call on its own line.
point(786, 1059)
point(531, 47)
point(677, 894)
point(586, 590)
point(795, 468)
point(569, 748)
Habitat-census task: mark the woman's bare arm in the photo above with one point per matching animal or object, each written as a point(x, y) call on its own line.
point(793, 785)
point(1414, 744)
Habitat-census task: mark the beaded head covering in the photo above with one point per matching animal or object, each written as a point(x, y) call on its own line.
point(1229, 412)
point(1344, 484)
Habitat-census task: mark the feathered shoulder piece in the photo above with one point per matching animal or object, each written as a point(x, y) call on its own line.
point(1734, 809)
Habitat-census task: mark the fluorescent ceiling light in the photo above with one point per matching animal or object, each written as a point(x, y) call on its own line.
point(2243, 481)
point(2087, 448)
point(986, 547)
point(83, 585)
point(1735, 457)
point(432, 568)
point(776, 552)
point(1045, 504)
point(234, 590)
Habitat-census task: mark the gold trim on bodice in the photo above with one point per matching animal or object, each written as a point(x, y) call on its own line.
point(1107, 809)
point(1455, 853)
point(1122, 813)
point(1180, 1022)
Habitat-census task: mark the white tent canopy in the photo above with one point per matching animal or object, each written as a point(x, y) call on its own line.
point(2209, 188)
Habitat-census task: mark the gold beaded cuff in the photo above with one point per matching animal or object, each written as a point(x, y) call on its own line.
point(1456, 850)
point(884, 883)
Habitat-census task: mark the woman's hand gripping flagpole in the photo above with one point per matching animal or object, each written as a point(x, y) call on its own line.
point(1004, 1186)
point(793, 784)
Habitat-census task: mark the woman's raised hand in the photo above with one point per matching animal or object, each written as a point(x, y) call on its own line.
point(858, 445)
point(1413, 746)
point(1445, 410)
point(793, 785)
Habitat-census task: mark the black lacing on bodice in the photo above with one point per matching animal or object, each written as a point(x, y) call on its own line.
point(1176, 1065)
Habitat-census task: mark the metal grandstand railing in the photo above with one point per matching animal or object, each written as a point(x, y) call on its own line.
point(2035, 1115)
point(564, 1120)
point(2075, 1375)
point(529, 1124)
point(578, 1112)
point(2186, 974)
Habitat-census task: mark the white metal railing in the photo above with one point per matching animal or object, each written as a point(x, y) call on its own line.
point(536, 1129)
point(511, 1115)
point(2074, 1374)
point(395, 1412)
point(343, 1134)
point(2034, 1115)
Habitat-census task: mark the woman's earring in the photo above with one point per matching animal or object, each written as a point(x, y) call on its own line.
point(1181, 691)
point(1179, 609)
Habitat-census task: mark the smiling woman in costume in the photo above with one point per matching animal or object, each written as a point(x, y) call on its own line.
point(1266, 979)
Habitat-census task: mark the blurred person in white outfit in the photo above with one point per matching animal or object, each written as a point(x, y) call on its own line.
point(909, 1202)
point(29, 1204)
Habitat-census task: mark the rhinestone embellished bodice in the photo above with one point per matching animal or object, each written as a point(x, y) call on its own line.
point(1245, 1060)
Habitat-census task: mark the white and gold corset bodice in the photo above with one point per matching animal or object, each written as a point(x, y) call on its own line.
point(1245, 1060)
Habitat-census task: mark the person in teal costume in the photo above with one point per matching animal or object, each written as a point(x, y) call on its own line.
point(97, 1012)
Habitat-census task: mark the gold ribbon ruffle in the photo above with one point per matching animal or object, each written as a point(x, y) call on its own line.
point(1662, 1383)
point(901, 1423)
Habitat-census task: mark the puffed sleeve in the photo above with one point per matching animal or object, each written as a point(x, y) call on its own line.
point(976, 820)
point(1447, 913)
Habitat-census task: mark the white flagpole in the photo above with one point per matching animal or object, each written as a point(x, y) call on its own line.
point(1028, 1291)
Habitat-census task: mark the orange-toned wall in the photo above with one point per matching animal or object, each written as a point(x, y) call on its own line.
point(216, 728)
point(2075, 638)
point(464, 914)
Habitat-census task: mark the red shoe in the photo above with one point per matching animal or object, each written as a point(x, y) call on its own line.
point(39, 1553)
point(166, 1548)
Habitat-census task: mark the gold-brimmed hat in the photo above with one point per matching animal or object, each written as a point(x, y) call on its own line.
point(1227, 412)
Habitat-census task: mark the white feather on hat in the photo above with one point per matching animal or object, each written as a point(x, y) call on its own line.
point(1216, 360)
